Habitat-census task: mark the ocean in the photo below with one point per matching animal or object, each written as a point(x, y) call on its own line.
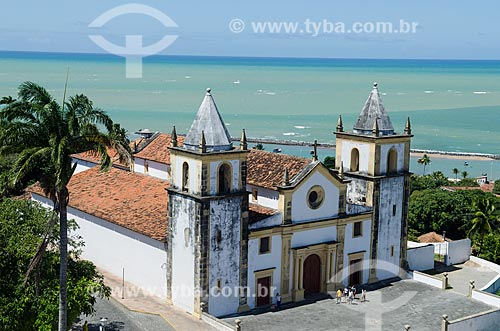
point(454, 105)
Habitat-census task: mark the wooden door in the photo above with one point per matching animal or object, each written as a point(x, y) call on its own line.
point(263, 291)
point(355, 272)
point(312, 275)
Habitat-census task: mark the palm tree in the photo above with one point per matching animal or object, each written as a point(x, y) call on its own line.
point(45, 134)
point(486, 219)
point(425, 160)
point(455, 172)
point(465, 174)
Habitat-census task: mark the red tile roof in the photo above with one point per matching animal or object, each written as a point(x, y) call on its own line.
point(431, 237)
point(483, 187)
point(157, 150)
point(93, 157)
point(135, 201)
point(257, 213)
point(266, 169)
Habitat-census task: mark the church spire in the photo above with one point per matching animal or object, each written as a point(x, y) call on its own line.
point(209, 120)
point(243, 141)
point(373, 110)
point(340, 125)
point(408, 126)
point(174, 137)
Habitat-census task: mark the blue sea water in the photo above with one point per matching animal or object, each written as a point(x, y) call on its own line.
point(454, 105)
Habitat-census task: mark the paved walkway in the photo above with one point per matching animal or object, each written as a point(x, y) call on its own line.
point(176, 319)
point(389, 308)
point(460, 275)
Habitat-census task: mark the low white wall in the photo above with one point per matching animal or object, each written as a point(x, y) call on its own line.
point(421, 258)
point(484, 263)
point(487, 298)
point(217, 323)
point(458, 251)
point(489, 320)
point(114, 248)
point(427, 279)
point(493, 286)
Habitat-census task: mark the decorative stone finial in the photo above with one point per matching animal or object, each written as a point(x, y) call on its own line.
point(203, 143)
point(174, 137)
point(286, 178)
point(341, 169)
point(209, 90)
point(315, 150)
point(340, 125)
point(135, 147)
point(408, 126)
point(407, 327)
point(375, 128)
point(243, 141)
point(375, 85)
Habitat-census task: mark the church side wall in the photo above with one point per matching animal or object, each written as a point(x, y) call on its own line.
point(357, 245)
point(114, 248)
point(155, 169)
point(389, 227)
point(224, 256)
point(266, 197)
point(312, 237)
point(258, 262)
point(183, 251)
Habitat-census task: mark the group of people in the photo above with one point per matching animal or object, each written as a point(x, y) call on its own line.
point(349, 293)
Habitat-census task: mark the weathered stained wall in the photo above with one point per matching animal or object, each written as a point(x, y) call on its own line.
point(224, 256)
point(389, 225)
point(356, 191)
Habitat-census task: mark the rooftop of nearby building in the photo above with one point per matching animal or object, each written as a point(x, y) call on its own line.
point(488, 187)
point(157, 150)
point(258, 213)
point(91, 156)
point(431, 237)
point(134, 201)
point(266, 169)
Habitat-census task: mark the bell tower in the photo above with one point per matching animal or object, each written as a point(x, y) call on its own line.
point(377, 160)
point(207, 217)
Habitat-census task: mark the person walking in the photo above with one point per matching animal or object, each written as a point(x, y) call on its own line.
point(278, 300)
point(339, 296)
point(363, 295)
point(346, 294)
point(350, 296)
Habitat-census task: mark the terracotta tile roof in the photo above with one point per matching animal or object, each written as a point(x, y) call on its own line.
point(266, 169)
point(135, 201)
point(157, 150)
point(257, 213)
point(431, 237)
point(483, 187)
point(95, 158)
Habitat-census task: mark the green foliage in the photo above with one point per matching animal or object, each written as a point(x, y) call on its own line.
point(34, 306)
point(496, 187)
point(466, 182)
point(485, 221)
point(491, 248)
point(329, 162)
point(259, 147)
point(432, 181)
point(424, 160)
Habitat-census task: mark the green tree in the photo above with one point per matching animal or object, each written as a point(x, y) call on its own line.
point(491, 248)
point(329, 162)
point(496, 187)
point(485, 220)
point(455, 172)
point(259, 147)
point(45, 135)
point(34, 305)
point(465, 174)
point(432, 181)
point(424, 160)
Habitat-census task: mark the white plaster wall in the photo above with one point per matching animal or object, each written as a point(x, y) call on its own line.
point(384, 150)
point(112, 248)
point(274, 220)
point(315, 236)
point(329, 208)
point(214, 172)
point(183, 254)
point(364, 152)
point(458, 251)
point(480, 322)
point(82, 165)
point(355, 245)
point(426, 279)
point(266, 197)
point(389, 227)
point(421, 258)
point(258, 262)
point(155, 169)
point(487, 298)
point(224, 257)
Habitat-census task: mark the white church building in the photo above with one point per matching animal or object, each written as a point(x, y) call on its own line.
point(219, 228)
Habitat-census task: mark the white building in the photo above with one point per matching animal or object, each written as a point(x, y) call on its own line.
point(265, 222)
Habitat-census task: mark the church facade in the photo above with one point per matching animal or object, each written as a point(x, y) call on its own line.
point(221, 228)
point(234, 244)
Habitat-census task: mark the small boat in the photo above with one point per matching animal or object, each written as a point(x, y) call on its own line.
point(277, 150)
point(236, 81)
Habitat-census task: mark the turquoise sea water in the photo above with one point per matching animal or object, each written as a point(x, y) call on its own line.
point(454, 105)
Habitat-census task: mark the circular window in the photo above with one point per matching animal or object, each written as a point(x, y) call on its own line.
point(315, 196)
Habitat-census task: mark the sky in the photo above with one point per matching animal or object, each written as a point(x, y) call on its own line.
point(445, 29)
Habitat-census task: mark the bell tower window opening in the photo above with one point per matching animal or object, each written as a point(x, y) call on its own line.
point(354, 160)
point(185, 177)
point(224, 179)
point(392, 161)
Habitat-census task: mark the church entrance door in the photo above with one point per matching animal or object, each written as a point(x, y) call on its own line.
point(263, 291)
point(312, 275)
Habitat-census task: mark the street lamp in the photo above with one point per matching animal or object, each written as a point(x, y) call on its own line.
point(103, 322)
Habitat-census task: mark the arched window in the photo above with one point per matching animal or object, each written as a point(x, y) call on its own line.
point(392, 161)
point(185, 177)
point(224, 179)
point(354, 160)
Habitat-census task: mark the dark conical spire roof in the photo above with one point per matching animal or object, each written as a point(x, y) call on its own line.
point(373, 109)
point(209, 121)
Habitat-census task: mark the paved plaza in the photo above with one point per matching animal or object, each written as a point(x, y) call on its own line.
point(388, 308)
